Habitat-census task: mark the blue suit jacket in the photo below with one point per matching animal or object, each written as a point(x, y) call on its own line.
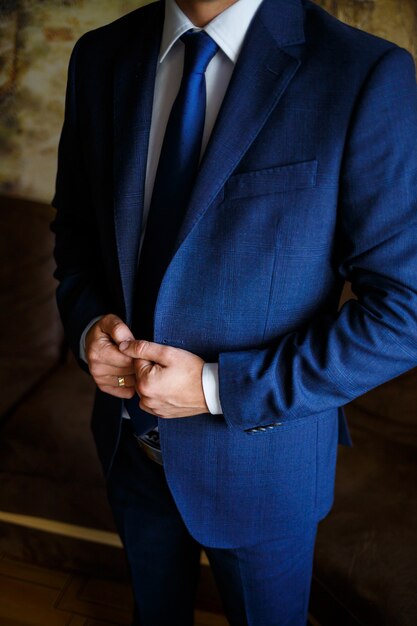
point(309, 179)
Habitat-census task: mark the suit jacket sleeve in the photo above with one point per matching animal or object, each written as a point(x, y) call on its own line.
point(340, 355)
point(80, 292)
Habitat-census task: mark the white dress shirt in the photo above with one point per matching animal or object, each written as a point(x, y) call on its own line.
point(228, 30)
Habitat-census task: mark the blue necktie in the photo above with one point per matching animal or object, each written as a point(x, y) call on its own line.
point(174, 179)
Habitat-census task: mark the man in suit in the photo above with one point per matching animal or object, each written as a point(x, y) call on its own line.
point(224, 167)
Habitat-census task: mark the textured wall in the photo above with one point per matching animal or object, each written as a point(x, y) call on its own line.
point(35, 42)
point(391, 19)
point(36, 39)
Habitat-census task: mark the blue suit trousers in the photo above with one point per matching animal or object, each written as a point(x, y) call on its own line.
point(266, 584)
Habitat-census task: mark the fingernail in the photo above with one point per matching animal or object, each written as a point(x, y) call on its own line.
point(124, 345)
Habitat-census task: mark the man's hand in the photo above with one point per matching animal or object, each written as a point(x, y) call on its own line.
point(168, 379)
point(105, 361)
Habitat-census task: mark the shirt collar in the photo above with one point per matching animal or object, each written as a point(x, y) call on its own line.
point(228, 29)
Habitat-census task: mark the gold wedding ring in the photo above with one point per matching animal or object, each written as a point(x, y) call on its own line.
point(121, 381)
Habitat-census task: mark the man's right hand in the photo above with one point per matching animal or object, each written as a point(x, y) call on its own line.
point(105, 361)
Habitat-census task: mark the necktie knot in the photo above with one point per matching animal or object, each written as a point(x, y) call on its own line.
point(199, 50)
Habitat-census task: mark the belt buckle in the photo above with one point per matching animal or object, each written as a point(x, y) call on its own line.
point(151, 452)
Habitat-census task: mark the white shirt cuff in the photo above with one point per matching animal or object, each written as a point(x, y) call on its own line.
point(83, 336)
point(210, 380)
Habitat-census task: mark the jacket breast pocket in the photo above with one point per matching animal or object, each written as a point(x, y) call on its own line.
point(277, 179)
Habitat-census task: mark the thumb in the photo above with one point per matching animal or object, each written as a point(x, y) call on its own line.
point(115, 327)
point(147, 350)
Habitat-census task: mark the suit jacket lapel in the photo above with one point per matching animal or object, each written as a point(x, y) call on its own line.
point(265, 67)
point(262, 73)
point(134, 79)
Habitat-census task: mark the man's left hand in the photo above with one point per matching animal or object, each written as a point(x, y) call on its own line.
point(168, 379)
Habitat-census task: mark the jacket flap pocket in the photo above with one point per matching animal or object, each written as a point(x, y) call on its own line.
point(272, 179)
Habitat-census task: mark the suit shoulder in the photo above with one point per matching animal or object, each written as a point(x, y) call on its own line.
point(107, 39)
point(343, 42)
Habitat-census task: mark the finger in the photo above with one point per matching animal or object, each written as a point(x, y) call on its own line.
point(110, 370)
point(118, 392)
point(115, 327)
point(113, 381)
point(143, 368)
point(147, 350)
point(110, 355)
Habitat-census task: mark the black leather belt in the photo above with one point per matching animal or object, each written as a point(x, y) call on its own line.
point(150, 448)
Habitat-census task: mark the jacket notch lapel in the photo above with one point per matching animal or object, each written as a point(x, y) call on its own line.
point(265, 68)
point(133, 87)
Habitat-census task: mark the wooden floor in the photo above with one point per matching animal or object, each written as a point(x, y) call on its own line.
point(36, 596)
